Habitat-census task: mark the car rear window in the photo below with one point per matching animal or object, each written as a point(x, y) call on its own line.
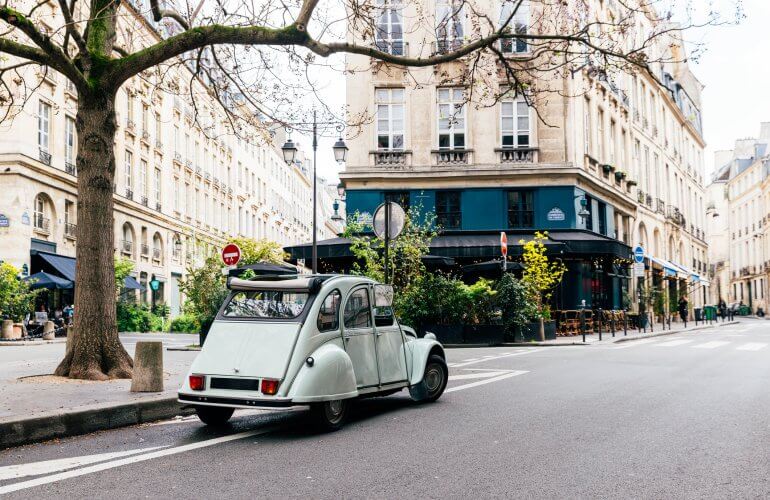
point(275, 304)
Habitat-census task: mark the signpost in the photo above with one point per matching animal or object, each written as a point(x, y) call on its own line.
point(388, 222)
point(504, 249)
point(231, 254)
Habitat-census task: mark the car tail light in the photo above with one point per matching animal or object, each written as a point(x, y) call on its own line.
point(269, 387)
point(197, 382)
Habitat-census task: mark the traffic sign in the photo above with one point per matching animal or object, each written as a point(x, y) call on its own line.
point(231, 254)
point(639, 269)
point(396, 221)
point(639, 254)
point(504, 244)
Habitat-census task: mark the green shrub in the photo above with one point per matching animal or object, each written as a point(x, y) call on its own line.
point(186, 323)
point(137, 318)
point(513, 301)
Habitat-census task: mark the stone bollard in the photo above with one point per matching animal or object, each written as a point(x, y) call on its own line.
point(49, 332)
point(148, 367)
point(7, 332)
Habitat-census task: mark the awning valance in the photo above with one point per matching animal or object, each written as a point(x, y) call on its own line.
point(64, 266)
point(48, 281)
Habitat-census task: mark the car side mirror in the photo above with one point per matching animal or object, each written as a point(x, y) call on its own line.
point(383, 295)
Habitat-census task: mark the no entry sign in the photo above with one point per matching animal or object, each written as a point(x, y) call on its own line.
point(231, 254)
point(504, 244)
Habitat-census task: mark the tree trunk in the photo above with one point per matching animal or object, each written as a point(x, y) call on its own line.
point(97, 353)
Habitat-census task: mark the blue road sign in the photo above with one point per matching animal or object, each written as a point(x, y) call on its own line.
point(639, 255)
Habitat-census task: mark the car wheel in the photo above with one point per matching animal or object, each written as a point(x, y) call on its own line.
point(330, 415)
point(433, 382)
point(213, 415)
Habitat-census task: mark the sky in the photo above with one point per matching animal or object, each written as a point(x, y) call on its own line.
point(733, 65)
point(735, 72)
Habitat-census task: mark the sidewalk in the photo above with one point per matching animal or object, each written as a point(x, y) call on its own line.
point(620, 337)
point(36, 406)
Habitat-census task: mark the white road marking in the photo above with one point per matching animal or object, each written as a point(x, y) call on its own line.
point(752, 346)
point(710, 345)
point(633, 343)
point(470, 359)
point(49, 466)
point(674, 343)
point(485, 374)
point(53, 478)
point(514, 373)
point(506, 355)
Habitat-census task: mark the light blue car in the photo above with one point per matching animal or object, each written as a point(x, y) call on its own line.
point(317, 341)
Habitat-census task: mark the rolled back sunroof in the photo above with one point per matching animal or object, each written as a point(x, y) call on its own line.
point(291, 285)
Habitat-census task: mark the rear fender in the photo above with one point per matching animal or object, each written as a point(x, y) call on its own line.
point(421, 350)
point(330, 377)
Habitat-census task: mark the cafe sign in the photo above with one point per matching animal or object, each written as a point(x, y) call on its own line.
point(555, 214)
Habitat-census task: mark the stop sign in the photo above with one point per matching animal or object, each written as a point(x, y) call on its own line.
point(231, 254)
point(504, 244)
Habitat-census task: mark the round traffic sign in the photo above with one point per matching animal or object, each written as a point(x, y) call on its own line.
point(231, 254)
point(638, 254)
point(396, 222)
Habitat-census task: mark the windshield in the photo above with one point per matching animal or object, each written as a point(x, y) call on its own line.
point(266, 304)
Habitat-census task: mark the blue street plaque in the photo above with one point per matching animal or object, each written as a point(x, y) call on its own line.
point(639, 255)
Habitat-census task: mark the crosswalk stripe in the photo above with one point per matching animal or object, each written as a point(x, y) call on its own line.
point(711, 345)
point(674, 343)
point(633, 343)
point(752, 346)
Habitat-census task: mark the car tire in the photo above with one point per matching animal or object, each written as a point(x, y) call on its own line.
point(213, 415)
point(330, 415)
point(434, 381)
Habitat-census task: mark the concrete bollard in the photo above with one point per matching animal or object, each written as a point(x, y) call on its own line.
point(7, 332)
point(49, 332)
point(148, 367)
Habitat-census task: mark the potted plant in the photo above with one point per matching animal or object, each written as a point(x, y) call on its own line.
point(631, 183)
point(607, 168)
point(16, 299)
point(515, 307)
point(541, 275)
point(482, 320)
point(436, 304)
point(620, 175)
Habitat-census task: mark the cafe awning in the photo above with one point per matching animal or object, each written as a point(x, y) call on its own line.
point(47, 281)
point(669, 269)
point(64, 266)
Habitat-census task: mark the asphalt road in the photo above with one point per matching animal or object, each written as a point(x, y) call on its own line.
point(681, 416)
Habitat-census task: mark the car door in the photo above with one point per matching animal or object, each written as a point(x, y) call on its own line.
point(390, 347)
point(358, 335)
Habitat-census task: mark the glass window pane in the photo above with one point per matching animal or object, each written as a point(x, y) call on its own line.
point(523, 140)
point(443, 141)
point(398, 95)
point(382, 142)
point(458, 94)
point(398, 141)
point(506, 108)
point(459, 140)
point(507, 140)
point(381, 95)
point(523, 123)
point(443, 95)
point(507, 124)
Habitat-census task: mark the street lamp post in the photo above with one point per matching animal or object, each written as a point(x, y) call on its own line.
point(340, 154)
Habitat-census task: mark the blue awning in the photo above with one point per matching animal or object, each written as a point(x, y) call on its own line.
point(669, 269)
point(49, 281)
point(65, 267)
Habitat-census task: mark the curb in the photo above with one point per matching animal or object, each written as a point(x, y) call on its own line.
point(670, 332)
point(21, 342)
point(59, 424)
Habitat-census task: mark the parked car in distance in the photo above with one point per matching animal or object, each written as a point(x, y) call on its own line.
point(318, 341)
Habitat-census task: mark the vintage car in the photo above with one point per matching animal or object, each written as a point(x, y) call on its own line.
point(317, 341)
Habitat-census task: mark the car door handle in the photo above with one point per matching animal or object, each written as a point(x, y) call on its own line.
point(378, 333)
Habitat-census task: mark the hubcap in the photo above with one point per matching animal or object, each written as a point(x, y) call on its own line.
point(434, 377)
point(334, 410)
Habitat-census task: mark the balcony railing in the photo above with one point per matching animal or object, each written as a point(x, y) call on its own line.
point(44, 156)
point(452, 156)
point(660, 206)
point(640, 196)
point(390, 158)
point(176, 254)
point(145, 135)
point(156, 253)
point(69, 230)
point(130, 126)
point(42, 223)
point(127, 246)
point(129, 194)
point(517, 155)
point(158, 206)
point(145, 249)
point(70, 168)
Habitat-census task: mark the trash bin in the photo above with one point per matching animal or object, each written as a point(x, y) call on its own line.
point(698, 313)
point(710, 313)
point(744, 311)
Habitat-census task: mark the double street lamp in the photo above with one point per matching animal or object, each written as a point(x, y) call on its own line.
point(289, 150)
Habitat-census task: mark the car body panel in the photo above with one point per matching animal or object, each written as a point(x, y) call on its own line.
point(330, 377)
point(419, 351)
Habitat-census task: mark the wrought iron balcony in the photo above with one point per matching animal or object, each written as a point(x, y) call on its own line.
point(129, 194)
point(127, 246)
point(70, 168)
point(145, 249)
point(144, 201)
point(69, 230)
point(156, 253)
point(41, 223)
point(44, 156)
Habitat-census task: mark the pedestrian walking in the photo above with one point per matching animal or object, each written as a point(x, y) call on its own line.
point(723, 309)
point(683, 306)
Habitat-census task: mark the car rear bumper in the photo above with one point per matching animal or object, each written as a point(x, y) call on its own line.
point(200, 399)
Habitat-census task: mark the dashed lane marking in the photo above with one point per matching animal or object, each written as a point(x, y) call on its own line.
point(501, 356)
point(752, 346)
point(674, 343)
point(711, 345)
point(634, 343)
point(484, 374)
point(514, 373)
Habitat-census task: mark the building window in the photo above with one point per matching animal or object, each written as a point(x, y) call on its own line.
point(515, 123)
point(43, 125)
point(156, 187)
point(176, 194)
point(519, 25)
point(400, 197)
point(451, 118)
point(521, 211)
point(448, 214)
point(158, 135)
point(129, 110)
point(69, 140)
point(389, 32)
point(602, 216)
point(128, 170)
point(143, 179)
point(390, 119)
point(449, 28)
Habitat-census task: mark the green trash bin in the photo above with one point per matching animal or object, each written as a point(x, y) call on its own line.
point(744, 311)
point(710, 313)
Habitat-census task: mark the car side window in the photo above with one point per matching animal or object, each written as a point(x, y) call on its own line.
point(329, 313)
point(357, 310)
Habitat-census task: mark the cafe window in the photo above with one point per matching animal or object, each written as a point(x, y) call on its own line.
point(357, 310)
point(521, 211)
point(400, 197)
point(328, 314)
point(448, 214)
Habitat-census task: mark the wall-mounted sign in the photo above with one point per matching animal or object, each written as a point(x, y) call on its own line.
point(4, 222)
point(25, 218)
point(555, 214)
point(365, 218)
